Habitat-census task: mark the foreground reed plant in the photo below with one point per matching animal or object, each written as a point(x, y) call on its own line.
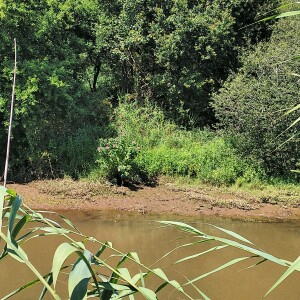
point(107, 273)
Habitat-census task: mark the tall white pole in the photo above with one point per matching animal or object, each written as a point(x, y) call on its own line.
point(11, 115)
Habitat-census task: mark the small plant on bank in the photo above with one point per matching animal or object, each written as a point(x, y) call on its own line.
point(116, 159)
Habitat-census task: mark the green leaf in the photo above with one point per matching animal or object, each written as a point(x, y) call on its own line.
point(233, 234)
point(295, 266)
point(113, 286)
point(17, 201)
point(281, 15)
point(140, 276)
point(69, 223)
point(23, 257)
point(44, 291)
point(253, 251)
point(201, 253)
point(183, 246)
point(228, 264)
point(147, 293)
point(101, 250)
point(161, 274)
point(20, 225)
point(61, 254)
point(182, 226)
point(125, 274)
point(79, 277)
point(55, 230)
point(11, 192)
point(18, 255)
point(288, 14)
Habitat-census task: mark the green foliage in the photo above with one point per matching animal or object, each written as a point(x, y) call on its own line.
point(146, 124)
point(90, 274)
point(175, 53)
point(55, 106)
point(77, 59)
point(252, 103)
point(212, 162)
point(116, 159)
point(169, 150)
point(234, 240)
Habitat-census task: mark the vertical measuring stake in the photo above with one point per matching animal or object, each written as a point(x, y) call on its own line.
point(11, 116)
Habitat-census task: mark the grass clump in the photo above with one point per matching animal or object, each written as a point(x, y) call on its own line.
point(212, 162)
point(166, 149)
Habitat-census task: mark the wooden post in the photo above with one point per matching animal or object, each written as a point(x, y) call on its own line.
point(11, 115)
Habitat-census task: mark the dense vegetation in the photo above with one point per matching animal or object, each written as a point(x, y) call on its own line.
point(149, 70)
point(252, 102)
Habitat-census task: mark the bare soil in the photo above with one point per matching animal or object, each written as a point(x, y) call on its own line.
point(165, 198)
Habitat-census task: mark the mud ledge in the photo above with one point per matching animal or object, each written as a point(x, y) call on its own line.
point(166, 198)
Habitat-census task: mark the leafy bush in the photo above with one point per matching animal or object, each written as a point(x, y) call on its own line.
point(116, 159)
point(213, 162)
point(146, 124)
point(251, 104)
point(168, 150)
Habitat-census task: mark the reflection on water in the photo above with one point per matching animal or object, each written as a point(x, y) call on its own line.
point(143, 235)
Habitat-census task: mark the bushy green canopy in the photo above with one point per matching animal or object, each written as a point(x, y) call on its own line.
point(253, 102)
point(76, 59)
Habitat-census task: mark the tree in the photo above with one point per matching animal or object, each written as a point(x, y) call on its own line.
point(252, 102)
point(53, 100)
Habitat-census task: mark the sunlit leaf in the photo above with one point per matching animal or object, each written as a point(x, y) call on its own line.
point(228, 264)
point(61, 254)
point(79, 277)
point(200, 253)
point(125, 274)
point(295, 266)
point(182, 226)
point(55, 230)
point(281, 15)
point(13, 212)
point(147, 293)
point(233, 234)
point(253, 251)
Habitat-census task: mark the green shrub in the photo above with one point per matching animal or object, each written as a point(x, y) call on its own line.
point(116, 159)
point(251, 104)
point(167, 149)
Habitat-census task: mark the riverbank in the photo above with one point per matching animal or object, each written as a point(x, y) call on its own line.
point(168, 197)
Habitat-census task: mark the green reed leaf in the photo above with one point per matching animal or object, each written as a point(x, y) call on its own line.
point(61, 254)
point(20, 255)
point(17, 201)
point(226, 265)
point(201, 253)
point(147, 293)
point(233, 234)
point(295, 266)
point(79, 277)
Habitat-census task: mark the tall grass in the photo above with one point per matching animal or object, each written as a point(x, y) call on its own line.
point(167, 149)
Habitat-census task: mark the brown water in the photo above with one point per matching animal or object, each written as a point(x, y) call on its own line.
point(141, 234)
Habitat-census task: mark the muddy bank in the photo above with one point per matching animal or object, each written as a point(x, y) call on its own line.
point(166, 198)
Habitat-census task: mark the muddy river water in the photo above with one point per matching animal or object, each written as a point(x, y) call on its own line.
point(129, 232)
